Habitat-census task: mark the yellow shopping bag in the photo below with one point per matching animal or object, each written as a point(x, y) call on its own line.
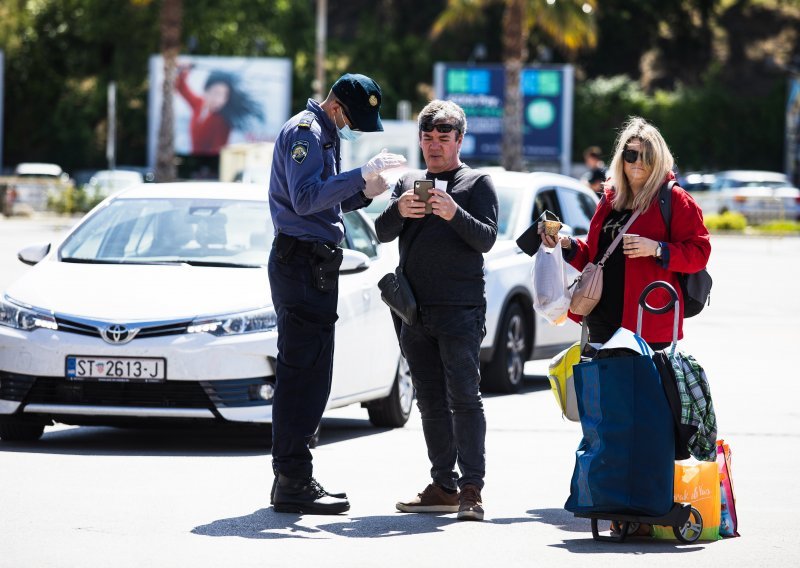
point(697, 483)
point(562, 382)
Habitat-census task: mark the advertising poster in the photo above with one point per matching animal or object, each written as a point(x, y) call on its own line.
point(2, 92)
point(793, 131)
point(220, 101)
point(547, 93)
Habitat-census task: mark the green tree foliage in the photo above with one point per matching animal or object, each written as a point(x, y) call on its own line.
point(710, 73)
point(745, 132)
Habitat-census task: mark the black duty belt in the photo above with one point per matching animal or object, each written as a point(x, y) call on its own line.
point(288, 246)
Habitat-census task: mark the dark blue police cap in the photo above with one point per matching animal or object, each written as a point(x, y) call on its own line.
point(362, 97)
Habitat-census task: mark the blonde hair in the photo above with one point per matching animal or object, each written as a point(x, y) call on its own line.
point(655, 152)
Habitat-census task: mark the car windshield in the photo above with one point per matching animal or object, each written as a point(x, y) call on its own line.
point(208, 232)
point(508, 200)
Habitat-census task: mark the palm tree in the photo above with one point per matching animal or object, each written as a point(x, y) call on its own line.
point(569, 24)
point(170, 25)
point(171, 20)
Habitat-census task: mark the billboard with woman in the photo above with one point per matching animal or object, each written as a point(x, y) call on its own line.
point(220, 101)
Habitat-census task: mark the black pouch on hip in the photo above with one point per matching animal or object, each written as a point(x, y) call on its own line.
point(325, 269)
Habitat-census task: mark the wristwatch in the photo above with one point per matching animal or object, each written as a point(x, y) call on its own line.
point(658, 251)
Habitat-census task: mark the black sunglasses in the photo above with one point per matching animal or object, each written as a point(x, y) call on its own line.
point(631, 156)
point(443, 128)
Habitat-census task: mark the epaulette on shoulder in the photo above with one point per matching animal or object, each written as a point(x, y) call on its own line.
point(306, 120)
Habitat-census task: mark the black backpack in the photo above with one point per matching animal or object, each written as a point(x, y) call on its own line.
point(696, 287)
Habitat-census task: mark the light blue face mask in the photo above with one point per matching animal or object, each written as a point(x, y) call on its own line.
point(347, 133)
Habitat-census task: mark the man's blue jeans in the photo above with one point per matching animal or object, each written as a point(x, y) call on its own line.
point(442, 350)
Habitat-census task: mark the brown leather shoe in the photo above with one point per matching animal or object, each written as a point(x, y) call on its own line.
point(470, 506)
point(433, 499)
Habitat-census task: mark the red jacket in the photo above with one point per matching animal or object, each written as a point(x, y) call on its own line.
point(689, 248)
point(209, 131)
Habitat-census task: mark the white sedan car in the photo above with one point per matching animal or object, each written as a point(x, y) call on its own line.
point(758, 195)
point(156, 306)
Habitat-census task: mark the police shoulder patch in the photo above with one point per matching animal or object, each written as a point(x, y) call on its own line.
point(299, 151)
point(306, 120)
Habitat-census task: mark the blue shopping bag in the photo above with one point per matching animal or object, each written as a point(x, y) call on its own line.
point(625, 462)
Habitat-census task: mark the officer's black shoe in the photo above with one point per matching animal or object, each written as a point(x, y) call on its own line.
point(341, 495)
point(306, 496)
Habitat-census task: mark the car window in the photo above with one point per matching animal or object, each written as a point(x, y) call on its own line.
point(174, 230)
point(546, 200)
point(359, 236)
point(577, 209)
point(508, 204)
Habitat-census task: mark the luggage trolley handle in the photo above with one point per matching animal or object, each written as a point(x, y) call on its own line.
point(674, 303)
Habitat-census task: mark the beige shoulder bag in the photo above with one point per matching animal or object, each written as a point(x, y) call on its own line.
point(588, 286)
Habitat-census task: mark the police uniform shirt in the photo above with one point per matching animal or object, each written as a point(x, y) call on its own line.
point(307, 194)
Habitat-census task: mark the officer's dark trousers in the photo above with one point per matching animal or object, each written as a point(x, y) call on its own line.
point(442, 350)
point(306, 318)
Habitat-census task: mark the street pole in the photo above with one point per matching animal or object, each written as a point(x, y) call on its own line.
point(111, 146)
point(322, 27)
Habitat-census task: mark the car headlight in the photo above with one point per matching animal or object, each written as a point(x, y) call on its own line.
point(24, 317)
point(264, 319)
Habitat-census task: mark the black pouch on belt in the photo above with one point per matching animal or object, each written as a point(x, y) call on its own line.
point(325, 266)
point(285, 247)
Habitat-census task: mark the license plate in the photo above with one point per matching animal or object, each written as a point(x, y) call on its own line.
point(116, 368)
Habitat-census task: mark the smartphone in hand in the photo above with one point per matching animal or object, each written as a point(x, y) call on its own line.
point(422, 188)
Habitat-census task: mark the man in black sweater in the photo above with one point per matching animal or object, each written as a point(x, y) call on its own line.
point(442, 254)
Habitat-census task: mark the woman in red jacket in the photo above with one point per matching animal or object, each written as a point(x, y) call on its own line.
point(642, 163)
point(223, 107)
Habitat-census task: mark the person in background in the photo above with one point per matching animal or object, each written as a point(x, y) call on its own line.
point(223, 107)
point(445, 269)
point(595, 180)
point(595, 167)
point(307, 197)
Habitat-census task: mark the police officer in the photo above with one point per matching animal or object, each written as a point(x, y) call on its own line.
point(308, 194)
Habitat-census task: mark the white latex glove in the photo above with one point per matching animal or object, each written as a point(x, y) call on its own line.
point(375, 186)
point(381, 162)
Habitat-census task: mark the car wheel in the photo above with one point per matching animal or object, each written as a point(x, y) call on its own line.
point(17, 431)
point(394, 410)
point(505, 370)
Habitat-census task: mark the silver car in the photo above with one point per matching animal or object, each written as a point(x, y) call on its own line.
point(758, 195)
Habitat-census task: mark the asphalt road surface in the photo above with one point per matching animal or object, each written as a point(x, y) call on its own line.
point(110, 497)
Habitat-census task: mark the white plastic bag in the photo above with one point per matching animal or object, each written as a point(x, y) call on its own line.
point(551, 294)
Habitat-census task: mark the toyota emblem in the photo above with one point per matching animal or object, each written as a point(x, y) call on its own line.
point(118, 334)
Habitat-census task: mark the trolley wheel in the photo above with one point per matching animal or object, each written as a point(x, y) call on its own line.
point(616, 526)
point(691, 530)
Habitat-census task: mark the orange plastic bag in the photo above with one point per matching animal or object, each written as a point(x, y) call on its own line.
point(697, 483)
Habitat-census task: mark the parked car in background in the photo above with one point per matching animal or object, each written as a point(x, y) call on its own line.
point(514, 332)
point(696, 181)
point(156, 307)
point(758, 195)
point(35, 183)
point(106, 182)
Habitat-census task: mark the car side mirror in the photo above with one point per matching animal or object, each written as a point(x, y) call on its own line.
point(34, 254)
point(353, 261)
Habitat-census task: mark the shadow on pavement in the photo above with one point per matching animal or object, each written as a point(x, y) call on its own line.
point(566, 521)
point(530, 384)
point(221, 440)
point(266, 524)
